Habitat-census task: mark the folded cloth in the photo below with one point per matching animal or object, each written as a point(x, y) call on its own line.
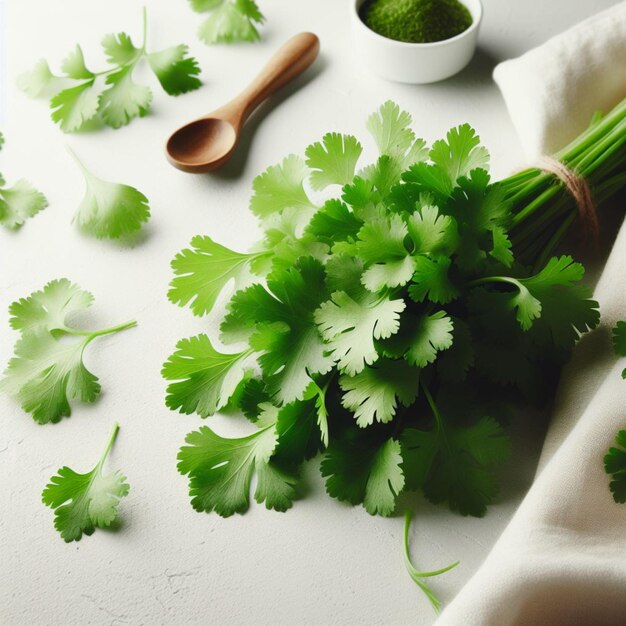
point(562, 558)
point(553, 90)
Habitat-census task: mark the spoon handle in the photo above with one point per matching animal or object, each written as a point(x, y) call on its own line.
point(290, 61)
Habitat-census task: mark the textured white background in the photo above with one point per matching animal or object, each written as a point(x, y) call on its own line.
point(323, 562)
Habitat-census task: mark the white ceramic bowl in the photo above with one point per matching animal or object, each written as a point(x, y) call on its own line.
point(415, 62)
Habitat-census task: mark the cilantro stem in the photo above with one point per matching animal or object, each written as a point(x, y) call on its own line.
point(111, 441)
point(91, 335)
point(144, 14)
point(417, 575)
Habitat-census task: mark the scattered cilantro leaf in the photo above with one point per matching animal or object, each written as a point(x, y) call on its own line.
point(80, 95)
point(47, 371)
point(84, 502)
point(229, 20)
point(18, 203)
point(110, 210)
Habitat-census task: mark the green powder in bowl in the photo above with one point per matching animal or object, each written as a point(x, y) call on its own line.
point(416, 21)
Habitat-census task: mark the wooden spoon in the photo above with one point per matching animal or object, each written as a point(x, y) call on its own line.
point(207, 143)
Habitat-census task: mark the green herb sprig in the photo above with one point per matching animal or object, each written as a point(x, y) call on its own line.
point(47, 372)
point(228, 21)
point(81, 95)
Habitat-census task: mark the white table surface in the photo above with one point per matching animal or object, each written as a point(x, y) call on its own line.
point(322, 562)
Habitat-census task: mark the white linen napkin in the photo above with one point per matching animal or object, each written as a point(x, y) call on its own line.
point(553, 90)
point(562, 558)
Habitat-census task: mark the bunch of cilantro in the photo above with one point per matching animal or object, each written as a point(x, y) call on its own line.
point(389, 327)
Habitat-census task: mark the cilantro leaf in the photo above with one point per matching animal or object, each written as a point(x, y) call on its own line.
point(124, 99)
point(391, 129)
point(110, 210)
point(431, 280)
point(333, 161)
point(205, 379)
point(280, 187)
point(421, 338)
point(373, 394)
point(73, 65)
point(455, 463)
point(280, 326)
point(78, 97)
point(431, 232)
point(18, 203)
point(381, 246)
point(220, 470)
point(176, 72)
point(204, 270)
point(334, 222)
point(359, 470)
point(47, 371)
point(84, 502)
point(619, 341)
point(45, 375)
point(229, 21)
point(460, 154)
point(74, 106)
point(50, 308)
point(39, 81)
point(119, 49)
point(350, 327)
point(615, 466)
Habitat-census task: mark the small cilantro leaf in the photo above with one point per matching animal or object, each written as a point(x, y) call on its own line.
point(229, 21)
point(421, 338)
point(176, 72)
point(350, 327)
point(373, 394)
point(334, 222)
point(18, 203)
point(431, 232)
point(460, 154)
point(205, 379)
point(381, 246)
point(204, 270)
point(73, 65)
point(110, 210)
point(220, 470)
point(615, 466)
point(431, 280)
point(74, 106)
point(280, 187)
point(39, 81)
point(84, 502)
point(47, 371)
point(359, 470)
point(333, 161)
point(124, 99)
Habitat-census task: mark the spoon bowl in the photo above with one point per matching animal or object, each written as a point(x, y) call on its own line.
point(207, 143)
point(202, 145)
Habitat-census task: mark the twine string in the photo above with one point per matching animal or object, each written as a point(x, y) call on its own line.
point(579, 188)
